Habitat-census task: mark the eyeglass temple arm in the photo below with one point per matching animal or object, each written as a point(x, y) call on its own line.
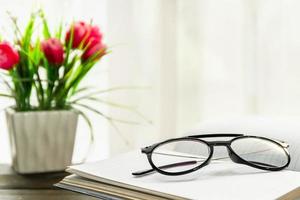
point(147, 171)
point(216, 135)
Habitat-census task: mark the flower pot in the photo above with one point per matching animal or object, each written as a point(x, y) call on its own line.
point(41, 141)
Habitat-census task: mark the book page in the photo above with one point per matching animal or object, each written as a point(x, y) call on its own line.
point(218, 180)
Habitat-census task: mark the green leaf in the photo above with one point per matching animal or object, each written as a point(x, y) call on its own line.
point(117, 105)
point(80, 72)
point(126, 141)
point(70, 67)
point(28, 34)
point(46, 31)
point(9, 87)
point(111, 122)
point(17, 30)
point(36, 54)
point(105, 116)
point(96, 99)
point(6, 95)
point(88, 121)
point(78, 91)
point(69, 44)
point(59, 31)
point(99, 92)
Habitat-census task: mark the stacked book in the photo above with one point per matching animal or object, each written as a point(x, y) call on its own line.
point(113, 179)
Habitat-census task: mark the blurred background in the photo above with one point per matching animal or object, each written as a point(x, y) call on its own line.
point(193, 61)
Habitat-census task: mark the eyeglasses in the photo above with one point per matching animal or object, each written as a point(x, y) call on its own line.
point(184, 155)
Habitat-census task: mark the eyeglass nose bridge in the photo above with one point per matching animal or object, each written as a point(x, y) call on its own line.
point(231, 154)
point(219, 143)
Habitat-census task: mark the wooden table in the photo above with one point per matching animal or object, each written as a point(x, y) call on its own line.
point(34, 187)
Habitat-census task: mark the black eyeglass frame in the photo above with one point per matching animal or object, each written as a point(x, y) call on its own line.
point(233, 156)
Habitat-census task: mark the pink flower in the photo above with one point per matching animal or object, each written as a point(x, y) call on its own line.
point(83, 34)
point(8, 56)
point(80, 30)
point(53, 50)
point(97, 49)
point(93, 35)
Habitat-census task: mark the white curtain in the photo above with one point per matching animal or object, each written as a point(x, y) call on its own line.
point(210, 59)
point(196, 60)
point(238, 58)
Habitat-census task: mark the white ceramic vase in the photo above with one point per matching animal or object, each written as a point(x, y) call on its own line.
point(41, 141)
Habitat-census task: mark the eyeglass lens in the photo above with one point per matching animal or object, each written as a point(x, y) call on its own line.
point(179, 156)
point(260, 152)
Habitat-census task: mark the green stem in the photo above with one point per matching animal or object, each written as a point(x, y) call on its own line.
point(41, 91)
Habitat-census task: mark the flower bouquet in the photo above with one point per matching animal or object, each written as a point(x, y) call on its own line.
point(42, 71)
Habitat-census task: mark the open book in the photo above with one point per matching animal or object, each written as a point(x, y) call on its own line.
point(112, 179)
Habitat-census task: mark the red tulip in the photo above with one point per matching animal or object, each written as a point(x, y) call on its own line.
point(8, 56)
point(94, 34)
point(83, 34)
point(80, 30)
point(53, 50)
point(97, 49)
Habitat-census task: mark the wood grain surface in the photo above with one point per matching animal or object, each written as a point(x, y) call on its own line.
point(34, 187)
